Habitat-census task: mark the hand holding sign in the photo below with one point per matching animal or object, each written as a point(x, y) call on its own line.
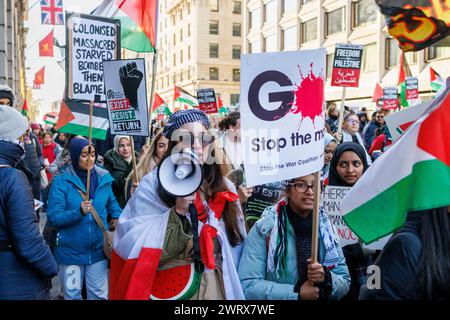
point(130, 78)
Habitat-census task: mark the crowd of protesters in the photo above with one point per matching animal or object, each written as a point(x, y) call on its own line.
point(262, 257)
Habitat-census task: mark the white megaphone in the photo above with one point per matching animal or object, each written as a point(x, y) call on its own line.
point(181, 173)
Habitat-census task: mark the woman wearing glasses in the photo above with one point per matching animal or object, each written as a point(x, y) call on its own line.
point(346, 168)
point(155, 228)
point(350, 133)
point(275, 263)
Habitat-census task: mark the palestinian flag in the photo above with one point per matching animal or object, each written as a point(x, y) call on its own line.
point(414, 174)
point(158, 102)
point(138, 19)
point(50, 118)
point(74, 118)
point(436, 80)
point(183, 97)
point(25, 108)
point(404, 72)
point(377, 94)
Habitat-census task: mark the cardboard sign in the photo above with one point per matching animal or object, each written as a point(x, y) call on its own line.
point(207, 100)
point(262, 197)
point(399, 122)
point(346, 65)
point(282, 119)
point(126, 94)
point(412, 88)
point(90, 41)
point(330, 202)
point(390, 100)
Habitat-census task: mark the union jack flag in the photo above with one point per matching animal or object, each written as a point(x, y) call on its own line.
point(52, 12)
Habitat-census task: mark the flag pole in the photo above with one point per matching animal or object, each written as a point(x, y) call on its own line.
point(341, 111)
point(152, 92)
point(134, 160)
point(315, 220)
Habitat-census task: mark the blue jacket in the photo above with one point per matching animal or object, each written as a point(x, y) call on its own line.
point(79, 239)
point(258, 284)
point(26, 269)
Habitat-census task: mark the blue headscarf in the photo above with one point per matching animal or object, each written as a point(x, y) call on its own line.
point(76, 145)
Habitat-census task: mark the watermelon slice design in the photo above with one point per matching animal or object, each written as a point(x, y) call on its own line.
point(179, 283)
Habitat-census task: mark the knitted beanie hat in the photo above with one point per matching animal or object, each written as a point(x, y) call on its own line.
point(12, 124)
point(182, 117)
point(7, 92)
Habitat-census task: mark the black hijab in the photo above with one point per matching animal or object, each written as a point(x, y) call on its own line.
point(334, 178)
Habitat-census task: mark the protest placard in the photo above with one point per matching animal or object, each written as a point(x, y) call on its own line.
point(331, 200)
point(207, 101)
point(412, 88)
point(282, 119)
point(390, 100)
point(126, 94)
point(346, 65)
point(90, 41)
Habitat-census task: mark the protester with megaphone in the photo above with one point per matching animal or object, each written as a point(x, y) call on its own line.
point(156, 230)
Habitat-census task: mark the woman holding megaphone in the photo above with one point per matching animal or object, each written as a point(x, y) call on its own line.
point(183, 229)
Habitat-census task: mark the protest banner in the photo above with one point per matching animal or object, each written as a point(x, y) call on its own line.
point(263, 196)
point(90, 41)
point(207, 101)
point(331, 200)
point(412, 88)
point(399, 122)
point(390, 100)
point(126, 96)
point(346, 65)
point(282, 118)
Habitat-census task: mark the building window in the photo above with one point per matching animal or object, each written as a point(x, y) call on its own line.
point(181, 76)
point(237, 7)
point(189, 52)
point(174, 59)
point(309, 30)
point(213, 50)
point(270, 11)
point(255, 18)
point(181, 35)
point(189, 8)
point(236, 29)
point(433, 52)
point(364, 12)
point(255, 46)
point(306, 1)
point(289, 5)
point(213, 27)
point(234, 99)
point(289, 37)
point(181, 56)
point(189, 30)
point(213, 5)
point(236, 52)
point(270, 43)
point(188, 73)
point(335, 21)
point(236, 75)
point(392, 53)
point(368, 62)
point(213, 73)
point(174, 39)
point(411, 57)
point(330, 59)
point(181, 15)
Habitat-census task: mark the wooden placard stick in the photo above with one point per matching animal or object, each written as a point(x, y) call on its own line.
point(134, 159)
point(315, 230)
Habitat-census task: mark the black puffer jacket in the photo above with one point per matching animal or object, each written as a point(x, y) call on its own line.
point(27, 266)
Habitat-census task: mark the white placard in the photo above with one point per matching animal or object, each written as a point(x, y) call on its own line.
point(126, 96)
point(282, 119)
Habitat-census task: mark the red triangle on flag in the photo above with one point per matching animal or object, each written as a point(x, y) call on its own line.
point(219, 103)
point(377, 93)
point(158, 101)
point(46, 46)
point(65, 116)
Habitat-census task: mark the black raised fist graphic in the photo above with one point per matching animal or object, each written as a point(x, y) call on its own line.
point(130, 78)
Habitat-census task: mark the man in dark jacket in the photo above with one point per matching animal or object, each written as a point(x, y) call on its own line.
point(369, 131)
point(26, 263)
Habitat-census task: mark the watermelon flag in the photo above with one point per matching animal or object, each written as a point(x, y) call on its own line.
point(436, 80)
point(158, 102)
point(182, 96)
point(138, 19)
point(46, 46)
point(50, 118)
point(416, 24)
point(25, 108)
point(404, 72)
point(39, 77)
point(377, 93)
point(414, 174)
point(74, 118)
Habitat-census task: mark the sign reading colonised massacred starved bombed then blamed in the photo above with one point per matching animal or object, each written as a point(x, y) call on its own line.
point(90, 41)
point(126, 94)
point(282, 119)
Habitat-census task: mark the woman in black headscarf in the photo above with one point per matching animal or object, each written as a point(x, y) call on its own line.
point(346, 168)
